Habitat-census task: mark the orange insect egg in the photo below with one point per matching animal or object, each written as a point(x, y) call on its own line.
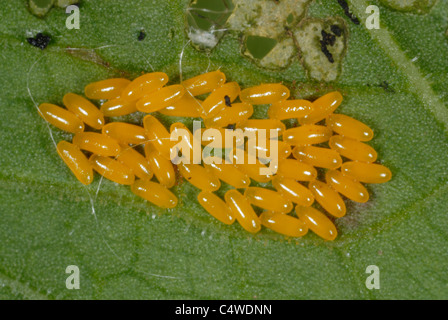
point(253, 170)
point(347, 186)
point(265, 94)
point(216, 207)
point(293, 191)
point(217, 100)
point(296, 170)
point(317, 222)
point(135, 161)
point(76, 161)
point(322, 108)
point(144, 85)
point(154, 193)
point(242, 211)
point(318, 157)
point(161, 98)
point(112, 169)
point(97, 143)
point(349, 127)
point(353, 149)
point(263, 149)
point(284, 224)
point(106, 89)
point(187, 106)
point(366, 172)
point(61, 118)
point(125, 132)
point(84, 109)
point(227, 173)
point(289, 109)
point(253, 125)
point(306, 135)
point(204, 83)
point(118, 107)
point(162, 168)
point(328, 198)
point(268, 199)
point(211, 138)
point(198, 176)
point(183, 134)
point(158, 135)
point(237, 113)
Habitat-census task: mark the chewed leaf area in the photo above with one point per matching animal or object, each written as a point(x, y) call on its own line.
point(205, 20)
point(322, 44)
point(263, 26)
point(413, 6)
point(272, 34)
point(41, 7)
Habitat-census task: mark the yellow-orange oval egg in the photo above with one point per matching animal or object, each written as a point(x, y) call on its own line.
point(204, 83)
point(289, 109)
point(237, 113)
point(112, 169)
point(265, 94)
point(217, 100)
point(284, 224)
point(97, 143)
point(144, 85)
point(76, 161)
point(198, 176)
point(366, 172)
point(317, 222)
point(61, 118)
point(187, 106)
point(268, 199)
point(125, 132)
point(322, 108)
point(216, 207)
point(307, 135)
point(118, 107)
point(296, 170)
point(328, 198)
point(161, 98)
point(353, 149)
point(106, 89)
point(318, 157)
point(265, 149)
point(349, 127)
point(221, 138)
point(162, 167)
point(183, 145)
point(242, 211)
point(251, 166)
point(293, 191)
point(158, 135)
point(227, 172)
point(154, 193)
point(255, 125)
point(84, 109)
point(347, 186)
point(135, 161)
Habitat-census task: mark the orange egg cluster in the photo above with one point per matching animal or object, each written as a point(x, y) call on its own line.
point(110, 149)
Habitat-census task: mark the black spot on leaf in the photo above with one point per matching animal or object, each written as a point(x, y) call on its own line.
point(40, 41)
point(141, 35)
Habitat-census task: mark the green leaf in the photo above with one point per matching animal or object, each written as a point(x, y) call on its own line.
point(394, 79)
